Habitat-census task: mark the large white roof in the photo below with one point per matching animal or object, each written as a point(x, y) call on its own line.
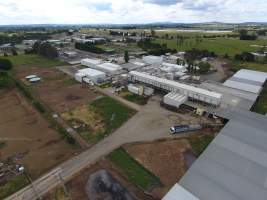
point(243, 86)
point(91, 61)
point(178, 85)
point(91, 72)
point(173, 65)
point(251, 75)
point(109, 66)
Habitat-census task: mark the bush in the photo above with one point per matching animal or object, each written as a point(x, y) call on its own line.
point(5, 80)
point(38, 106)
point(24, 90)
point(5, 64)
point(204, 67)
point(62, 131)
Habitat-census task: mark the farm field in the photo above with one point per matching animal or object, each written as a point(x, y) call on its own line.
point(220, 46)
point(27, 136)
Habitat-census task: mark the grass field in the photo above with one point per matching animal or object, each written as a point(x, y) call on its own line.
point(32, 60)
point(134, 171)
point(200, 143)
point(249, 65)
point(220, 46)
point(112, 114)
point(261, 104)
point(13, 185)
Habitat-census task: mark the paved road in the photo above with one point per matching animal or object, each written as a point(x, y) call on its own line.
point(150, 123)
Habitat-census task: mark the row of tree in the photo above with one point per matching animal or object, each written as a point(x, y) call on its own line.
point(45, 49)
point(154, 48)
point(89, 47)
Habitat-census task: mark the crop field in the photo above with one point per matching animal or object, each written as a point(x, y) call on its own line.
point(27, 136)
point(98, 118)
point(220, 46)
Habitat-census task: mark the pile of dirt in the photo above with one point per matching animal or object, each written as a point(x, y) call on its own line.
point(102, 186)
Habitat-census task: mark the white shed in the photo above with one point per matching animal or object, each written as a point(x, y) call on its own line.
point(153, 59)
point(94, 75)
point(91, 62)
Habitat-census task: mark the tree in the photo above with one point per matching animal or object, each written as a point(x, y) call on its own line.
point(204, 67)
point(5, 64)
point(5, 54)
point(14, 52)
point(126, 56)
point(244, 35)
point(153, 32)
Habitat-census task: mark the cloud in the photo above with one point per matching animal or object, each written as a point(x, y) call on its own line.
point(162, 2)
point(130, 11)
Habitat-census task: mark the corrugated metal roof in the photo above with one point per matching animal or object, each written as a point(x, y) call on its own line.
point(251, 75)
point(234, 166)
point(243, 86)
point(241, 80)
point(178, 192)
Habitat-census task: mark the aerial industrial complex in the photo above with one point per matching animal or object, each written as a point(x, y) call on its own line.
point(139, 125)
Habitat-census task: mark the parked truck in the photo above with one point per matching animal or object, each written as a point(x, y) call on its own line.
point(184, 128)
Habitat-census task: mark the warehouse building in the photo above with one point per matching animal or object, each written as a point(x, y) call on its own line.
point(92, 63)
point(153, 59)
point(190, 91)
point(108, 67)
point(247, 80)
point(93, 75)
point(233, 167)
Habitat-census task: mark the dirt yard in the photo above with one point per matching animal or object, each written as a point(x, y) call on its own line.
point(56, 89)
point(76, 186)
point(64, 99)
point(28, 137)
point(165, 159)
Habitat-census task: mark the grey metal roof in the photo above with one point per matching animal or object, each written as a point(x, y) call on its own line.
point(243, 86)
point(242, 80)
point(234, 166)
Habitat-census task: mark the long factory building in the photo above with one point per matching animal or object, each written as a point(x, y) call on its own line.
point(190, 91)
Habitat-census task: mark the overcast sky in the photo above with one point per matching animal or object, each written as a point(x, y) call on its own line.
point(130, 11)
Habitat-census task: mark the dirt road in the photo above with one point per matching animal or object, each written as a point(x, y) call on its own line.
point(150, 123)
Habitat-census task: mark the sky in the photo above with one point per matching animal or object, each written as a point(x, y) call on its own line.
point(130, 11)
